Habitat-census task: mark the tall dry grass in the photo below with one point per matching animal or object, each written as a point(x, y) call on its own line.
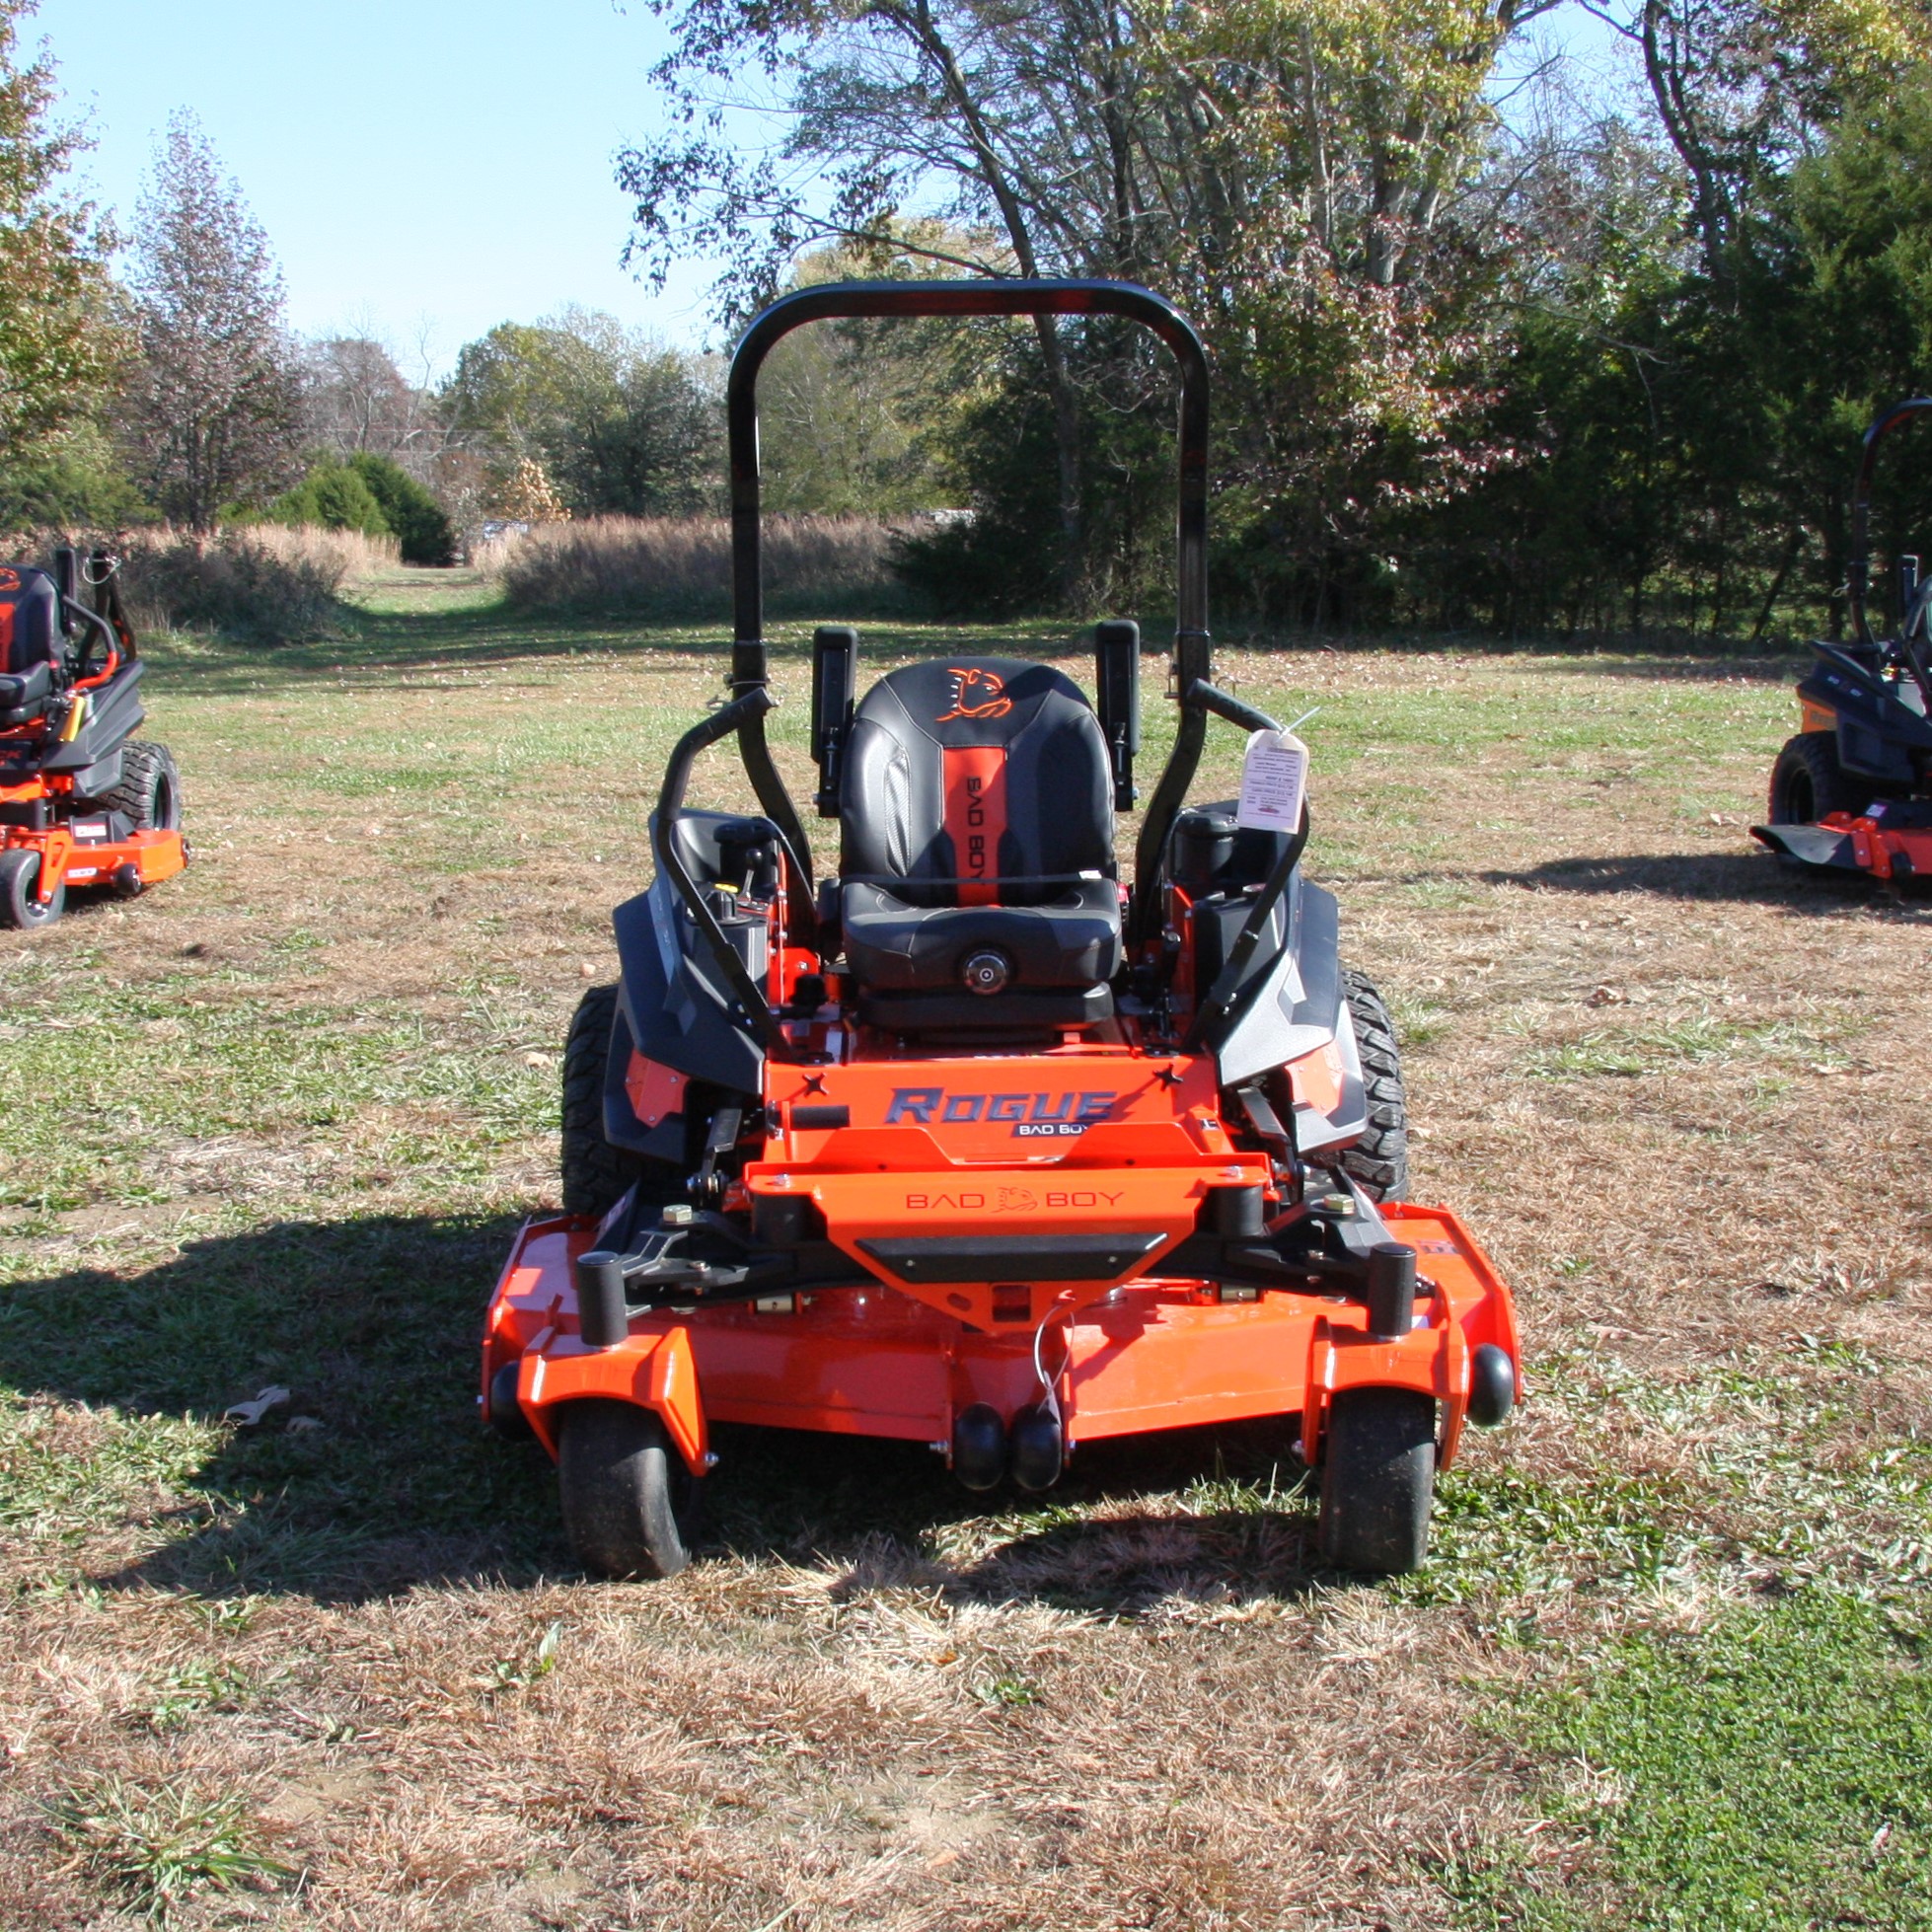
point(258, 583)
point(681, 567)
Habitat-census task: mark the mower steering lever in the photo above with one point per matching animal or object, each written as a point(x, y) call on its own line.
point(1224, 703)
point(749, 995)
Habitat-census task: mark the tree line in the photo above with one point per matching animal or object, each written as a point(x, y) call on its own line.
point(1491, 350)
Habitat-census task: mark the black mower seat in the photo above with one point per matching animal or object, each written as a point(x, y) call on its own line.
point(29, 643)
point(977, 815)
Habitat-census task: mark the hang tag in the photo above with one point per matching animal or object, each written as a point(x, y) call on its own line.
point(1274, 782)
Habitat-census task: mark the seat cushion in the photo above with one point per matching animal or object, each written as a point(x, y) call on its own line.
point(903, 948)
point(976, 809)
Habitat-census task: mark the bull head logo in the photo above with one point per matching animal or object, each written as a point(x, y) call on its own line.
point(975, 694)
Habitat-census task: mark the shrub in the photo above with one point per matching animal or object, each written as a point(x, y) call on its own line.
point(413, 516)
point(254, 585)
point(670, 566)
point(70, 480)
point(331, 496)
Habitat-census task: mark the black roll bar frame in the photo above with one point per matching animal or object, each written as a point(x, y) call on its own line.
point(1193, 650)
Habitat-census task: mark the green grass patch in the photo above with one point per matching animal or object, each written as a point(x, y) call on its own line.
point(154, 1850)
point(1419, 1022)
point(1704, 1041)
point(1770, 1773)
point(67, 1472)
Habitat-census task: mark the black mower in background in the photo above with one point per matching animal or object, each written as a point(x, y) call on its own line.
point(1852, 791)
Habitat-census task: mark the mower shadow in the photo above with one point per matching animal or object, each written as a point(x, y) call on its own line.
point(1744, 878)
point(1237, 1523)
point(372, 1325)
point(375, 1477)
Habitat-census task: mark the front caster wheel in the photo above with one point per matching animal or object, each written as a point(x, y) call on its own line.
point(1039, 1450)
point(1378, 1477)
point(629, 1504)
point(19, 885)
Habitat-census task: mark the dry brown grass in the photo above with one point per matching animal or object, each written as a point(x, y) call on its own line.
point(873, 1705)
point(682, 566)
point(253, 583)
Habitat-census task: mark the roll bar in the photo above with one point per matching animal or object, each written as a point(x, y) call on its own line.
point(837, 300)
point(1858, 571)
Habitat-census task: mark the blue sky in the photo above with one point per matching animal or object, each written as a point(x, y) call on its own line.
point(415, 163)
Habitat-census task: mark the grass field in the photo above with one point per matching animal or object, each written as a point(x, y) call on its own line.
point(275, 1123)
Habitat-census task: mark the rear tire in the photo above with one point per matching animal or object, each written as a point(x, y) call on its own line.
point(20, 880)
point(150, 787)
point(1378, 1163)
point(630, 1503)
point(596, 1174)
point(1377, 1480)
point(1809, 784)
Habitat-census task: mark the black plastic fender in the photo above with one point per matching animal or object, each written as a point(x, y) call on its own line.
point(1878, 732)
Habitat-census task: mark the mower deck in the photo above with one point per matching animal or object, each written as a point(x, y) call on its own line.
point(1842, 843)
point(80, 852)
point(1154, 1354)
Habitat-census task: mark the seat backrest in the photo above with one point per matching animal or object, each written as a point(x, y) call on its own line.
point(980, 780)
point(28, 634)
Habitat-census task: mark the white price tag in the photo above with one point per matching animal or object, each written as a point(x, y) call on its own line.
point(1274, 781)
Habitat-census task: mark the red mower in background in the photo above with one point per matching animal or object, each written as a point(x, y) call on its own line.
point(971, 1145)
point(82, 801)
point(1853, 790)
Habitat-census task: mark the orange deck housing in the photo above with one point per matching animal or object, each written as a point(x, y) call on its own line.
point(71, 857)
point(1156, 1354)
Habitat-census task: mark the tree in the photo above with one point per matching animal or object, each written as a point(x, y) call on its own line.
point(1744, 88)
point(523, 494)
point(1291, 169)
point(60, 338)
point(355, 398)
point(213, 407)
point(68, 480)
point(331, 496)
point(848, 415)
point(617, 423)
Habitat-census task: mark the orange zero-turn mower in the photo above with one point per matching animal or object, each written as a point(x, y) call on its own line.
point(82, 800)
point(972, 1146)
point(1852, 793)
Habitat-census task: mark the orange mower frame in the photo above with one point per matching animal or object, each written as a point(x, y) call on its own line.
point(79, 804)
point(810, 1183)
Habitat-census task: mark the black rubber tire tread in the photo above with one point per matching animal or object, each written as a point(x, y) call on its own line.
point(1377, 1481)
point(597, 1175)
point(1378, 1163)
point(150, 787)
point(1808, 784)
point(20, 874)
point(629, 1500)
